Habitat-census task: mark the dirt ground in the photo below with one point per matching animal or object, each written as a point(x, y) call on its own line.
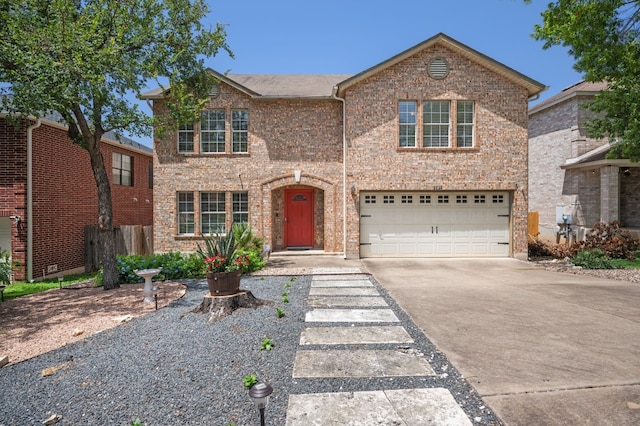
point(38, 323)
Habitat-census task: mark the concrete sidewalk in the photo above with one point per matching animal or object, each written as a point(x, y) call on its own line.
point(540, 347)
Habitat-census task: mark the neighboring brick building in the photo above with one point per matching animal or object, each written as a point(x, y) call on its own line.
point(63, 195)
point(424, 154)
point(568, 171)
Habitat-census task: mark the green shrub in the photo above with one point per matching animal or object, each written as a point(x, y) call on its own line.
point(5, 268)
point(593, 259)
point(172, 265)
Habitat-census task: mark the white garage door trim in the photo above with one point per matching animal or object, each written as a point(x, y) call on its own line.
point(434, 224)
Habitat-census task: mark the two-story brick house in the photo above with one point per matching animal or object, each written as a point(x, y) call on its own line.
point(48, 194)
point(424, 154)
point(569, 173)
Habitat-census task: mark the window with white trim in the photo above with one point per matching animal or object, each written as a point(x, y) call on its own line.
point(240, 131)
point(212, 131)
point(186, 213)
point(435, 122)
point(213, 217)
point(185, 138)
point(240, 207)
point(122, 169)
point(407, 112)
point(464, 127)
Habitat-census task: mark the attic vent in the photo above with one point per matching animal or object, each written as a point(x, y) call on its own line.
point(438, 68)
point(215, 91)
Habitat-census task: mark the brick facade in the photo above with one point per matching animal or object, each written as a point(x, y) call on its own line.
point(64, 195)
point(568, 168)
point(306, 135)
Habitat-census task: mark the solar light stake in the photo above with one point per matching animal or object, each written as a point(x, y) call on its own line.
point(60, 278)
point(260, 394)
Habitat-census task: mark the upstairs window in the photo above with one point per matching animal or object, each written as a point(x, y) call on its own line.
point(464, 128)
point(435, 119)
point(185, 138)
point(122, 169)
point(407, 111)
point(239, 131)
point(437, 123)
point(212, 131)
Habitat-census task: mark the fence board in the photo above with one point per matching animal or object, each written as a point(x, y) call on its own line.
point(534, 221)
point(130, 239)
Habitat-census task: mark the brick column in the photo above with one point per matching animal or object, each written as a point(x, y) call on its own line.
point(609, 194)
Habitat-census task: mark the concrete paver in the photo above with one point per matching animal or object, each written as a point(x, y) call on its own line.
point(343, 291)
point(419, 407)
point(341, 283)
point(346, 301)
point(351, 315)
point(352, 336)
point(359, 363)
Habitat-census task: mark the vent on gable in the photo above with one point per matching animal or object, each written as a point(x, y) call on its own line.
point(438, 68)
point(215, 91)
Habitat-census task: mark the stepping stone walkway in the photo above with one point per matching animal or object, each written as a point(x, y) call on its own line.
point(347, 310)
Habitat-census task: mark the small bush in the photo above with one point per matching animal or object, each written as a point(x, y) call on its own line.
point(593, 259)
point(172, 265)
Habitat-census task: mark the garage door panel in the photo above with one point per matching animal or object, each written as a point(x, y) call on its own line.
point(435, 229)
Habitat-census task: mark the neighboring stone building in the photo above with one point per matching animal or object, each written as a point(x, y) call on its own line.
point(422, 155)
point(568, 171)
point(45, 177)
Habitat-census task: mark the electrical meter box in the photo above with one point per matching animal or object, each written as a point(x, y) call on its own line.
point(561, 216)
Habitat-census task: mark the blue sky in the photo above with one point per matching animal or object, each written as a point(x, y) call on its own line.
point(349, 36)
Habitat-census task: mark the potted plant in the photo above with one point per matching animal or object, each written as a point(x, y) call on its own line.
point(225, 263)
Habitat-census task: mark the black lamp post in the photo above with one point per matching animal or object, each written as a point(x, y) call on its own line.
point(260, 394)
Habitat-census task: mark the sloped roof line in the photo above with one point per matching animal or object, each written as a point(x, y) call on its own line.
point(581, 88)
point(533, 87)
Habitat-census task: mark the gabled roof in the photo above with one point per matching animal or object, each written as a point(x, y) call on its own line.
point(533, 87)
point(581, 88)
point(319, 86)
point(274, 86)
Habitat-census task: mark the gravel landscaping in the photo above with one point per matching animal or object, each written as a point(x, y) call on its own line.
point(172, 367)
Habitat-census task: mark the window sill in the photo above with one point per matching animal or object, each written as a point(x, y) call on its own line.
point(451, 149)
point(214, 154)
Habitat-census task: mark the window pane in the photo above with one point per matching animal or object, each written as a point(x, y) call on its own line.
point(185, 138)
point(212, 131)
point(464, 128)
point(240, 207)
point(407, 123)
point(186, 215)
point(212, 213)
point(122, 169)
point(435, 116)
point(239, 130)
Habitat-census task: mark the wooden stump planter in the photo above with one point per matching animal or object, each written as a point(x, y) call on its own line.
point(223, 283)
point(219, 307)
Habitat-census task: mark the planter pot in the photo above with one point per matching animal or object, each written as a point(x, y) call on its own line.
point(223, 283)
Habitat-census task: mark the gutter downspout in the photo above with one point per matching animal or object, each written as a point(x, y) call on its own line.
point(344, 170)
point(30, 198)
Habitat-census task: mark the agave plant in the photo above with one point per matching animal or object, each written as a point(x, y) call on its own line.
point(220, 252)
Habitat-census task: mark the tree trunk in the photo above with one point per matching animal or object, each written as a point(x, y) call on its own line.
point(105, 218)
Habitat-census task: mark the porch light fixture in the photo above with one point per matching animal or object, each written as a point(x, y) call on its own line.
point(15, 219)
point(260, 394)
point(297, 174)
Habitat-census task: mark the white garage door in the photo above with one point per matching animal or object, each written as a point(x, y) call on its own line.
point(396, 224)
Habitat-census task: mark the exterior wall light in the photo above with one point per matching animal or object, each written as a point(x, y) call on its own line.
point(297, 174)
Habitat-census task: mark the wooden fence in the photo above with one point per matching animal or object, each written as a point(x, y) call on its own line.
point(534, 221)
point(130, 239)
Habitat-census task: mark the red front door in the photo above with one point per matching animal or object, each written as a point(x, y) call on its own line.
point(298, 217)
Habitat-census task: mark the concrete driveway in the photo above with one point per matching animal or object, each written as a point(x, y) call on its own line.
point(542, 348)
